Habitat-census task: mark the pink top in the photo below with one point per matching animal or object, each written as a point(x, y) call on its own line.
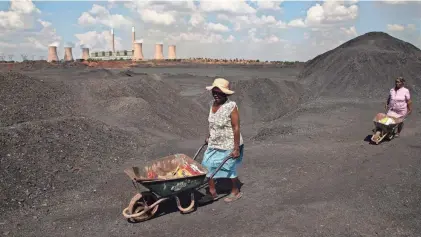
point(398, 101)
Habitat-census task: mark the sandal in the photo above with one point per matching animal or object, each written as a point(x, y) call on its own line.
point(231, 197)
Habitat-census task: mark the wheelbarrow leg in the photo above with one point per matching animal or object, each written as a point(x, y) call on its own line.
point(142, 207)
point(378, 136)
point(187, 209)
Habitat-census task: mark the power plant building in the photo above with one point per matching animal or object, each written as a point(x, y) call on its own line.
point(135, 53)
point(109, 55)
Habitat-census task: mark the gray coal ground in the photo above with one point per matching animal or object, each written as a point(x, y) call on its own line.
point(68, 132)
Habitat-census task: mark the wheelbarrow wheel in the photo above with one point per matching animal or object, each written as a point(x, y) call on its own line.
point(139, 203)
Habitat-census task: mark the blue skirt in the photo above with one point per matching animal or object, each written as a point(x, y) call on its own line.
point(214, 157)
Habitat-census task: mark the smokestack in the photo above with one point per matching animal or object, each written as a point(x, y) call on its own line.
point(171, 52)
point(68, 54)
point(85, 53)
point(112, 35)
point(52, 54)
point(133, 38)
point(159, 51)
point(137, 54)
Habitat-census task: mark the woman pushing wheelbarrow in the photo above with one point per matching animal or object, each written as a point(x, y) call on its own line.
point(398, 106)
point(224, 139)
point(168, 177)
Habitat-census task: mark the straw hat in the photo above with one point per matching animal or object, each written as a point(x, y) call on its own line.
point(222, 84)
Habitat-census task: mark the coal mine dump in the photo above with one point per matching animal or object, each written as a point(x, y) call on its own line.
point(362, 66)
point(68, 131)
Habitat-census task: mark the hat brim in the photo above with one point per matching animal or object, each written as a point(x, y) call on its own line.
point(226, 91)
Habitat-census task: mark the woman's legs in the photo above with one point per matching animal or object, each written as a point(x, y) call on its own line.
point(213, 158)
point(212, 189)
point(400, 127)
point(234, 189)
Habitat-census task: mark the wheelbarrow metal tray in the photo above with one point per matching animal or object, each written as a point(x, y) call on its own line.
point(162, 166)
point(384, 127)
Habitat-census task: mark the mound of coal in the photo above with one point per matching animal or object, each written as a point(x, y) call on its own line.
point(365, 66)
point(148, 103)
point(262, 99)
point(141, 102)
point(44, 159)
point(24, 98)
point(56, 133)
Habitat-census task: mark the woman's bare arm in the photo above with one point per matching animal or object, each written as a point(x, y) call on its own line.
point(235, 122)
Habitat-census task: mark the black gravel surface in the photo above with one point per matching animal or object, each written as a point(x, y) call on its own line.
point(67, 134)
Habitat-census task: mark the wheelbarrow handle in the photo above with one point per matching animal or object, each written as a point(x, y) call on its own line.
point(220, 166)
point(198, 151)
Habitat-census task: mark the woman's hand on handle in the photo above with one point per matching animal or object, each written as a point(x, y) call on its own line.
point(235, 153)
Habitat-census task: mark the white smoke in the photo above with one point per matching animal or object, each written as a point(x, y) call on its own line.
point(139, 41)
point(84, 46)
point(56, 44)
point(69, 44)
point(160, 42)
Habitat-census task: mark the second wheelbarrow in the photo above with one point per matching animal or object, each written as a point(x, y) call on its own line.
point(385, 127)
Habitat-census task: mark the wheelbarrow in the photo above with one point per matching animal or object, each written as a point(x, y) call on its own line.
point(385, 127)
point(154, 188)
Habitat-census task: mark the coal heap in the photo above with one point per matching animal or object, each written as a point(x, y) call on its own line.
point(146, 103)
point(61, 131)
point(262, 99)
point(364, 67)
point(46, 158)
point(24, 98)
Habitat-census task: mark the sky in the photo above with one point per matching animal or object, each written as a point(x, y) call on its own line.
point(262, 29)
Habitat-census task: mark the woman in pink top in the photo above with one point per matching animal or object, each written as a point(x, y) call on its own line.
point(399, 103)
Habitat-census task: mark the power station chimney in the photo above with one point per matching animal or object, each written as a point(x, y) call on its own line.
point(85, 53)
point(133, 37)
point(68, 56)
point(112, 35)
point(159, 51)
point(137, 54)
point(52, 54)
point(171, 52)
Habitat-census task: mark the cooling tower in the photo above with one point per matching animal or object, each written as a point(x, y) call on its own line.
point(85, 53)
point(112, 40)
point(133, 38)
point(52, 54)
point(137, 54)
point(68, 56)
point(171, 52)
point(159, 51)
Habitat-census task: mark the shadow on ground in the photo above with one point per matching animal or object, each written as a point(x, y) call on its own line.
point(223, 188)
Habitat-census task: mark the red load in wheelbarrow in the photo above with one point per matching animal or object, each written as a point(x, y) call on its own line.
point(154, 188)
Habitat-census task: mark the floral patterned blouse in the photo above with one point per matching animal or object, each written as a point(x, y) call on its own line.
point(220, 128)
